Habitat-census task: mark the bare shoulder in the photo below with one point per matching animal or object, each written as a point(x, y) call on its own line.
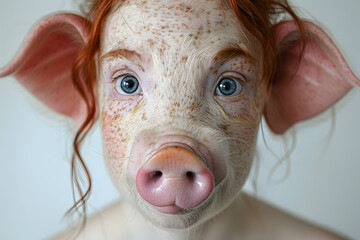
point(282, 225)
point(248, 217)
point(101, 225)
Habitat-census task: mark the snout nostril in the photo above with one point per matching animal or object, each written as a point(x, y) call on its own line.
point(156, 174)
point(174, 179)
point(190, 175)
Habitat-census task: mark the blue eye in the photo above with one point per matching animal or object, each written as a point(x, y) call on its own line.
point(128, 85)
point(228, 87)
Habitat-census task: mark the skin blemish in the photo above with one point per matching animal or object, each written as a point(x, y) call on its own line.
point(193, 106)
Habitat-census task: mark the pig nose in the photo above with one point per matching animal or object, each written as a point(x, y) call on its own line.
point(174, 179)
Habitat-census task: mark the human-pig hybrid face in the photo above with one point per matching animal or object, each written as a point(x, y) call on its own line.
point(181, 99)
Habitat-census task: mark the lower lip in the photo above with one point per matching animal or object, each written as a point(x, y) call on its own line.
point(169, 209)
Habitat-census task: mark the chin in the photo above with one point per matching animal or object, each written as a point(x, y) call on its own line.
point(183, 220)
point(188, 219)
point(220, 198)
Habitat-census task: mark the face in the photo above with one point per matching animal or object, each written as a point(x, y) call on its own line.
point(181, 99)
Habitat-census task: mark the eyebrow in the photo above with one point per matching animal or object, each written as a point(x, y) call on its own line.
point(122, 53)
point(230, 53)
point(220, 57)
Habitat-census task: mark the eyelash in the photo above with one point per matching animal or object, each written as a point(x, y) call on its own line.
point(234, 75)
point(120, 73)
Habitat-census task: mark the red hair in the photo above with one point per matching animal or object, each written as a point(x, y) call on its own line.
point(84, 80)
point(257, 16)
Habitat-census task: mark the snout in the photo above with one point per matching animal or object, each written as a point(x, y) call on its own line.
point(173, 179)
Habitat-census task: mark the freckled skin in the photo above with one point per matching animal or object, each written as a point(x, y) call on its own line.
point(177, 43)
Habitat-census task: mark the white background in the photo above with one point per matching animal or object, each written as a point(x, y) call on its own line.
point(322, 187)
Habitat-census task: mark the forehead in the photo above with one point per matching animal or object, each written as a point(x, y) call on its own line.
point(202, 26)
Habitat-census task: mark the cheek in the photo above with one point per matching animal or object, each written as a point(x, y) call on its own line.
point(114, 140)
point(242, 111)
point(116, 110)
point(242, 147)
point(116, 134)
point(243, 135)
point(241, 128)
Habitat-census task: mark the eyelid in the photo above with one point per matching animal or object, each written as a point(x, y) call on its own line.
point(235, 75)
point(239, 77)
point(230, 74)
point(121, 73)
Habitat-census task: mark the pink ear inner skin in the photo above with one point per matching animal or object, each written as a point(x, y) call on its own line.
point(44, 63)
point(321, 79)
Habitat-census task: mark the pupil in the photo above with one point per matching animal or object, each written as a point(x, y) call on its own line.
point(129, 84)
point(227, 86)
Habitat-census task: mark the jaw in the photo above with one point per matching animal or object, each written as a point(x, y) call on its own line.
point(183, 220)
point(188, 220)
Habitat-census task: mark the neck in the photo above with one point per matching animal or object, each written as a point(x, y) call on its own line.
point(233, 217)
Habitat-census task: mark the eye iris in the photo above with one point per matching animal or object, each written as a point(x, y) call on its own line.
point(129, 84)
point(227, 86)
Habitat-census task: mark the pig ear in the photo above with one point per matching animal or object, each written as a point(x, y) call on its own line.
point(44, 63)
point(304, 88)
